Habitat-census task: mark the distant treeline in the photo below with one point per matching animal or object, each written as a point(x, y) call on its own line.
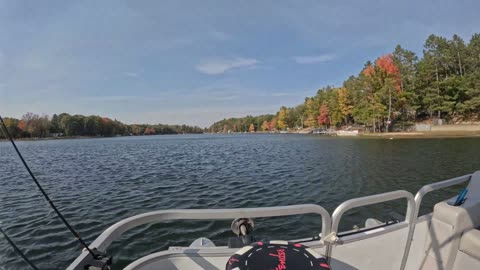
point(248, 123)
point(392, 93)
point(40, 126)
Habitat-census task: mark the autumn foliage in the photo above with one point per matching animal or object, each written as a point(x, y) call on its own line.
point(384, 67)
point(369, 71)
point(393, 92)
point(22, 125)
point(32, 125)
point(386, 63)
point(281, 121)
point(324, 116)
point(149, 131)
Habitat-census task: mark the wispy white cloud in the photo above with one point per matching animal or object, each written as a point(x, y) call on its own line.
point(219, 35)
point(224, 98)
point(131, 74)
point(281, 94)
point(312, 59)
point(214, 67)
point(114, 98)
point(2, 58)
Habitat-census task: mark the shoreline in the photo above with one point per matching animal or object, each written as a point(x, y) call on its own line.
point(54, 138)
point(423, 135)
point(84, 137)
point(398, 135)
point(365, 135)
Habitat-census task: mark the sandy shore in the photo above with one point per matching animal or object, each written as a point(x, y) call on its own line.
point(429, 134)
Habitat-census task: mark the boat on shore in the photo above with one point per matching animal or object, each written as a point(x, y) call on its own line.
point(446, 238)
point(323, 131)
point(347, 132)
point(305, 131)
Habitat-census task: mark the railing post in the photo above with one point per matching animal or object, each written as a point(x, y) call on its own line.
point(410, 218)
point(418, 200)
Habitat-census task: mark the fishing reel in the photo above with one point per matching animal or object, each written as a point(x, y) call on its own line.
point(100, 261)
point(242, 227)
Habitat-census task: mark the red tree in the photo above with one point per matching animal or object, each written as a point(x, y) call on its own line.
point(324, 117)
point(387, 67)
point(22, 125)
point(369, 71)
point(149, 131)
point(271, 125)
point(387, 64)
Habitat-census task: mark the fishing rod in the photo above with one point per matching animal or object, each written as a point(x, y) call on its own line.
point(17, 249)
point(52, 205)
point(94, 253)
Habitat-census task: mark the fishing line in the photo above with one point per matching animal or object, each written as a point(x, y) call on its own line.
point(52, 205)
point(17, 249)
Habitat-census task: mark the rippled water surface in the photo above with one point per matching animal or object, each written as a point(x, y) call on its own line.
point(97, 182)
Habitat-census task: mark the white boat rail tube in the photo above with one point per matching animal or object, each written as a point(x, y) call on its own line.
point(410, 217)
point(115, 231)
point(424, 191)
point(436, 186)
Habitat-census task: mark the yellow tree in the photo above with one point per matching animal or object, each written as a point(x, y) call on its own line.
point(311, 112)
point(310, 121)
point(251, 128)
point(282, 117)
point(345, 103)
point(12, 126)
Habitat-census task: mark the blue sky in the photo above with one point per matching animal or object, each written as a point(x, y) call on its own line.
point(196, 62)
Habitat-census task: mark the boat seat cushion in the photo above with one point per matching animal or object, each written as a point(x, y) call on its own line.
point(464, 262)
point(448, 224)
point(470, 243)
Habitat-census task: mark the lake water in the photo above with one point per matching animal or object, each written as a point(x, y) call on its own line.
point(97, 182)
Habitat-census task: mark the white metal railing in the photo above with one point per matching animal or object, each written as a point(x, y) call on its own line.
point(115, 231)
point(436, 186)
point(410, 218)
point(330, 225)
point(418, 201)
